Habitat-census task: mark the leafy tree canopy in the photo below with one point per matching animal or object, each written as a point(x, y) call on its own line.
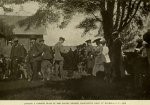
point(112, 15)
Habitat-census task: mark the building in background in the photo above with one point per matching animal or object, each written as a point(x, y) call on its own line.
point(20, 32)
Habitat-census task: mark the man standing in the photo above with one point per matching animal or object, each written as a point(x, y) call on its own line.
point(58, 57)
point(18, 53)
point(47, 58)
point(35, 53)
point(117, 56)
point(89, 55)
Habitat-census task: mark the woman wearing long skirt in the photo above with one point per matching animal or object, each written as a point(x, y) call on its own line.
point(99, 59)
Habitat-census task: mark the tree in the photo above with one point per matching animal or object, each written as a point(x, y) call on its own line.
point(113, 15)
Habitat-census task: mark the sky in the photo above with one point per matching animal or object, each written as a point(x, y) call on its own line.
point(70, 33)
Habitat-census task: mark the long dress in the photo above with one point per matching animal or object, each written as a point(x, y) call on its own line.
point(99, 60)
point(105, 52)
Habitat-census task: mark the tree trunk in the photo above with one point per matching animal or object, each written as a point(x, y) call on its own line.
point(114, 52)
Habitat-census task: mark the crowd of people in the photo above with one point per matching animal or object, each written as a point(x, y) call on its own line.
point(17, 63)
point(42, 60)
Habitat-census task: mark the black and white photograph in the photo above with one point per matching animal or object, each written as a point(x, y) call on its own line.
point(75, 50)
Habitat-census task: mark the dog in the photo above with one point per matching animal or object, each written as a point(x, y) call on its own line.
point(24, 71)
point(81, 67)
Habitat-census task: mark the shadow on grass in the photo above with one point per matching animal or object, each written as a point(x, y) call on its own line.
point(86, 88)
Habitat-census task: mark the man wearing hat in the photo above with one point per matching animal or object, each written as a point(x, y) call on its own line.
point(35, 54)
point(47, 60)
point(89, 55)
point(117, 56)
point(58, 57)
point(99, 59)
point(18, 53)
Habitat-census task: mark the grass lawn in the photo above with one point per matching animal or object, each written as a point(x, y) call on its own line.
point(80, 89)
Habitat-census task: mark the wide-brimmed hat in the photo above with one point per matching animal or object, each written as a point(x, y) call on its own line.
point(61, 38)
point(144, 43)
point(88, 41)
point(97, 40)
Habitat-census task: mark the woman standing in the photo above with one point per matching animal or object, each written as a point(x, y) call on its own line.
point(99, 58)
point(105, 51)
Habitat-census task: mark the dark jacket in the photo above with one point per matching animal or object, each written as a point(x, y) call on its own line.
point(47, 54)
point(18, 52)
point(35, 52)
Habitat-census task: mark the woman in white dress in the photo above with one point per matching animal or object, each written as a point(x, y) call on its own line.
point(99, 58)
point(107, 64)
point(105, 51)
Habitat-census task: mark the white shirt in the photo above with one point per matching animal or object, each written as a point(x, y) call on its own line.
point(105, 52)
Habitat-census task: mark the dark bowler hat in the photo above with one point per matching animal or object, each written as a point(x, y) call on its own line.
point(97, 40)
point(88, 41)
point(61, 38)
point(41, 40)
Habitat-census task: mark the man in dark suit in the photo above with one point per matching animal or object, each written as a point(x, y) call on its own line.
point(117, 56)
point(18, 54)
point(47, 60)
point(35, 53)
